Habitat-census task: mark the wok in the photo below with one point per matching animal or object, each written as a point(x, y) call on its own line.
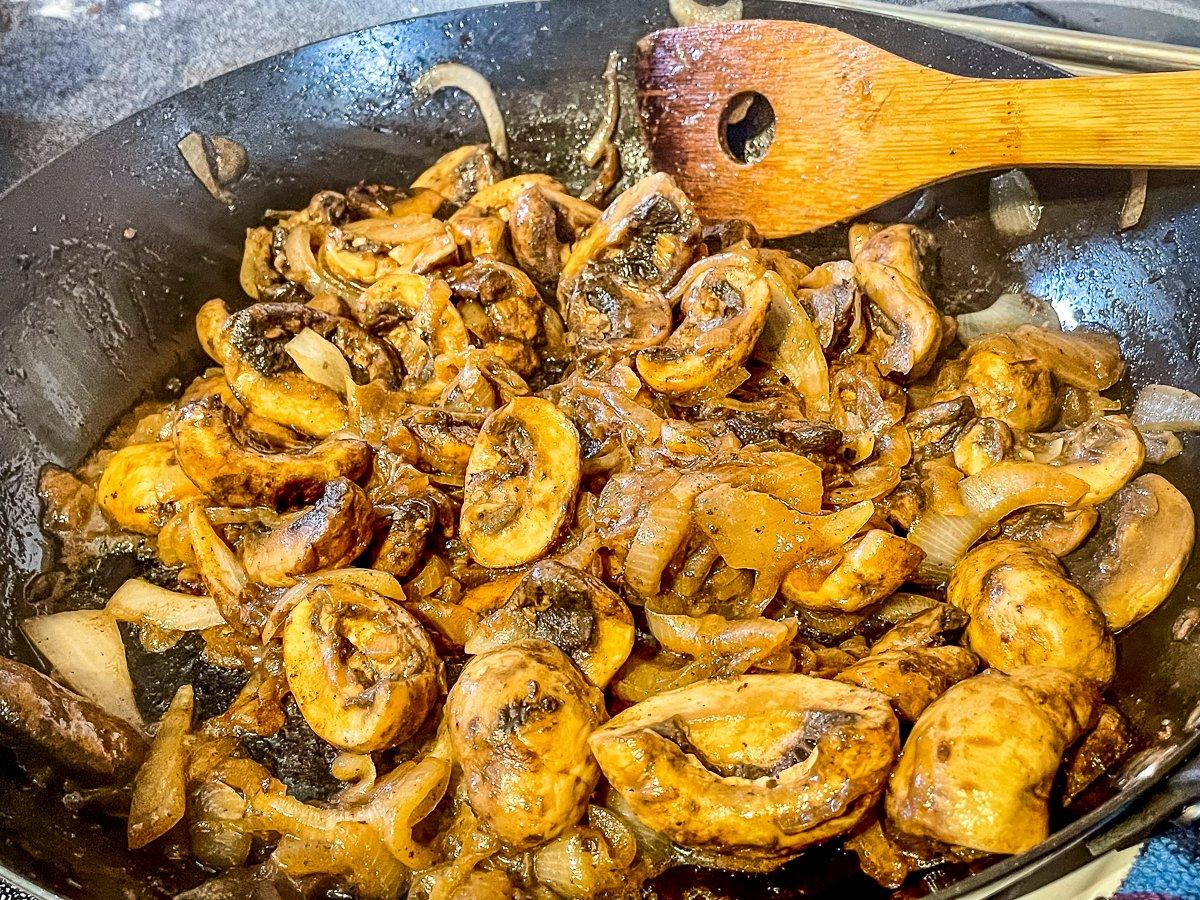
point(109, 250)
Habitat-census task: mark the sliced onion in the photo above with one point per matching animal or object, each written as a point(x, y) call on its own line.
point(160, 788)
point(1135, 200)
point(988, 497)
point(1161, 446)
point(1014, 205)
point(320, 360)
point(456, 75)
point(593, 150)
point(692, 12)
point(790, 344)
point(1088, 360)
point(1008, 313)
point(753, 530)
point(1160, 407)
point(303, 268)
point(142, 603)
point(86, 652)
point(747, 640)
point(662, 532)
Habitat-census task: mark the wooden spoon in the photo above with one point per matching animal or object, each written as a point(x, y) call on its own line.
point(857, 126)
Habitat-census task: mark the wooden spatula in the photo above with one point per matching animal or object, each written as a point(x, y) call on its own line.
point(857, 126)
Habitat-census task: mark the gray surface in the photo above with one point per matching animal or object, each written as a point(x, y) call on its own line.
point(68, 68)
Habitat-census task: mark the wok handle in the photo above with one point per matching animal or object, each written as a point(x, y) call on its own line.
point(1180, 791)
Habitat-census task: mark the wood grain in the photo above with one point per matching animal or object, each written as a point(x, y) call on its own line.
point(857, 126)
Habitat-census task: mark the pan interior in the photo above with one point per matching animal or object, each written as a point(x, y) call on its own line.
point(110, 250)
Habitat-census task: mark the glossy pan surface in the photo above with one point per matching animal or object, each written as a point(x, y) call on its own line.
point(106, 253)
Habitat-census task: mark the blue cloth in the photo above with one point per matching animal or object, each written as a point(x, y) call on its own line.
point(1168, 868)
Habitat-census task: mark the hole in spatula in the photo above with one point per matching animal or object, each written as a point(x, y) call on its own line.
point(747, 127)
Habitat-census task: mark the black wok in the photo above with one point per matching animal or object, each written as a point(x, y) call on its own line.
point(94, 316)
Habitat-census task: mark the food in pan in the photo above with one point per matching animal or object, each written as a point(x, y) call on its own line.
point(590, 539)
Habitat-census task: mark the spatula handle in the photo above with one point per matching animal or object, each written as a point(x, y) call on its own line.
point(1138, 121)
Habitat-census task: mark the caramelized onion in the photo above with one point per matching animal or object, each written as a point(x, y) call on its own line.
point(85, 650)
point(1160, 407)
point(456, 75)
point(989, 496)
point(160, 788)
point(320, 360)
point(692, 12)
point(142, 603)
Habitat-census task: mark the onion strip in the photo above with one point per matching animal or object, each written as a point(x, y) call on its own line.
point(988, 496)
point(320, 360)
point(85, 650)
point(593, 150)
point(1135, 200)
point(1008, 313)
point(1160, 407)
point(456, 75)
point(141, 603)
point(1014, 205)
point(692, 12)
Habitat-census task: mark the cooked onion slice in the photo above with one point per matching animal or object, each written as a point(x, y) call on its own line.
point(466, 79)
point(142, 603)
point(1135, 200)
point(1008, 313)
point(320, 360)
point(593, 150)
point(1161, 446)
point(692, 12)
point(989, 496)
point(662, 533)
point(160, 788)
point(1015, 208)
point(86, 652)
point(1160, 407)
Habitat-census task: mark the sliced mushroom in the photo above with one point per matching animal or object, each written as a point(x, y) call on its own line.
point(1106, 453)
point(874, 567)
point(1025, 611)
point(234, 474)
point(519, 719)
point(939, 624)
point(521, 483)
point(577, 613)
point(906, 248)
point(414, 511)
point(329, 535)
point(39, 716)
point(461, 173)
point(445, 438)
point(362, 670)
point(251, 343)
point(912, 678)
point(749, 771)
point(906, 332)
point(612, 284)
point(724, 301)
point(1004, 384)
point(413, 308)
point(984, 443)
point(1052, 528)
point(1146, 535)
point(977, 768)
point(143, 485)
point(543, 223)
point(1109, 742)
point(1088, 360)
point(831, 295)
point(375, 201)
point(512, 310)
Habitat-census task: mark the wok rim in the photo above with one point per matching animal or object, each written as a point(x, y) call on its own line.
point(1004, 874)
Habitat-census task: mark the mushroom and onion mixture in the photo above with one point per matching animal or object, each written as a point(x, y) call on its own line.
point(596, 540)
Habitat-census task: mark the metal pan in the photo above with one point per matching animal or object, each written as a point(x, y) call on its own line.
point(108, 251)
